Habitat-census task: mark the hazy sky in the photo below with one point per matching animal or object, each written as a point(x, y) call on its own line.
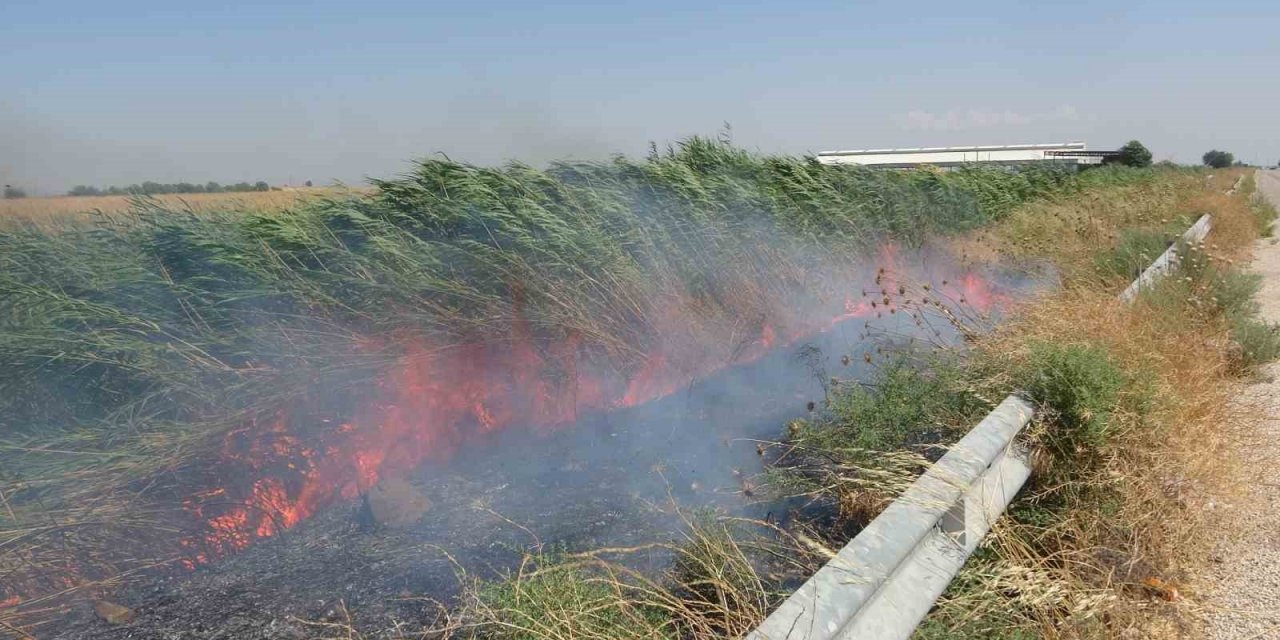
point(101, 93)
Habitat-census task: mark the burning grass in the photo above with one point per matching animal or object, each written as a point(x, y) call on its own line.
point(198, 382)
point(1130, 442)
point(1133, 423)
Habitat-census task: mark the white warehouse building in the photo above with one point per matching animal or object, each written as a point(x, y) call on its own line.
point(1065, 153)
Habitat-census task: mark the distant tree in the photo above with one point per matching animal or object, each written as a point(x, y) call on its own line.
point(1134, 154)
point(151, 188)
point(13, 193)
point(1218, 159)
point(308, 183)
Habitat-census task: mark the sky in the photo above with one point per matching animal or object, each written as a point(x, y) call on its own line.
point(112, 93)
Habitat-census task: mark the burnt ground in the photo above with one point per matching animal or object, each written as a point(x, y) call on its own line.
point(611, 480)
point(380, 575)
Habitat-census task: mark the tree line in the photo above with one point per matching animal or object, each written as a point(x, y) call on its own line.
point(1135, 154)
point(158, 188)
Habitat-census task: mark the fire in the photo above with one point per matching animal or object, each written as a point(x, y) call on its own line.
point(651, 382)
point(978, 293)
point(439, 397)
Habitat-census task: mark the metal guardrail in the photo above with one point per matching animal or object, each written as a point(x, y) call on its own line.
point(1167, 260)
point(1236, 187)
point(884, 581)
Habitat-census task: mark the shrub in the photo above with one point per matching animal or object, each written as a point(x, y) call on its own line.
point(13, 193)
point(1204, 291)
point(1232, 291)
point(1080, 386)
point(1215, 288)
point(1259, 341)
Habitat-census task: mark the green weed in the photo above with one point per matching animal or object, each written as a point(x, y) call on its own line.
point(1202, 289)
point(1133, 253)
point(905, 403)
point(1259, 341)
point(1080, 385)
point(1264, 215)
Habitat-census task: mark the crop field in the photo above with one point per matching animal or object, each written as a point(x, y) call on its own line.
point(191, 387)
point(60, 210)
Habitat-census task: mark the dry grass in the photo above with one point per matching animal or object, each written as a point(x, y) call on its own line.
point(718, 587)
point(60, 210)
point(1140, 515)
point(1101, 541)
point(1069, 230)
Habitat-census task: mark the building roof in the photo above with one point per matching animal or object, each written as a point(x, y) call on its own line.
point(1059, 152)
point(1050, 146)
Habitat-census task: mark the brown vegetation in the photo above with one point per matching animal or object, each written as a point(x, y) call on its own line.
point(63, 209)
point(1102, 542)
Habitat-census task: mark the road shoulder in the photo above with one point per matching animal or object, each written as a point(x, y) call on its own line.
point(1241, 587)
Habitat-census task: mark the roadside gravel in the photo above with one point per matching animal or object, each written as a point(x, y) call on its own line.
point(1242, 587)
